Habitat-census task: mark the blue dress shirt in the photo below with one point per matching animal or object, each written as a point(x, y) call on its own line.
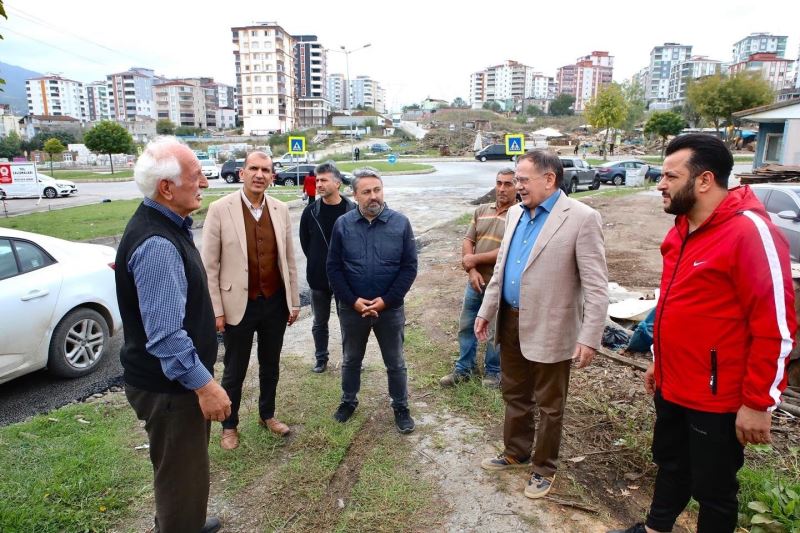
point(525, 235)
point(160, 280)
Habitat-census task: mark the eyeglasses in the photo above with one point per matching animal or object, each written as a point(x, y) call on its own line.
point(524, 181)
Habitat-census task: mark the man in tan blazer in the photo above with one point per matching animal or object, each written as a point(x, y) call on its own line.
point(249, 258)
point(549, 293)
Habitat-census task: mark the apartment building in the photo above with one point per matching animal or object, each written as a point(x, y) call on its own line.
point(336, 91)
point(130, 93)
point(98, 106)
point(183, 102)
point(759, 43)
point(477, 89)
point(310, 64)
point(776, 70)
point(9, 122)
point(366, 92)
point(566, 78)
point(683, 72)
point(592, 72)
point(56, 96)
point(265, 79)
point(662, 59)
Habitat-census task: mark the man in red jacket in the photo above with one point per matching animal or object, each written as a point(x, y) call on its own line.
point(723, 330)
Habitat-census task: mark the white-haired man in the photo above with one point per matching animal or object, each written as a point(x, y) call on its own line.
point(170, 345)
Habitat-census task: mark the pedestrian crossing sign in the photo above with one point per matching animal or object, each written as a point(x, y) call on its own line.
point(515, 144)
point(297, 145)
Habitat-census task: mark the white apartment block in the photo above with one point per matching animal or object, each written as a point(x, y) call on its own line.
point(56, 96)
point(183, 102)
point(477, 89)
point(690, 69)
point(265, 78)
point(336, 90)
point(130, 93)
point(592, 72)
point(366, 92)
point(757, 43)
point(662, 59)
point(776, 70)
point(225, 118)
point(98, 106)
point(510, 80)
point(540, 87)
point(310, 63)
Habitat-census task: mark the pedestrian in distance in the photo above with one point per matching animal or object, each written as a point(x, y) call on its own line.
point(724, 327)
point(478, 256)
point(356, 153)
point(372, 263)
point(310, 187)
point(577, 147)
point(316, 228)
point(248, 252)
point(170, 347)
point(549, 297)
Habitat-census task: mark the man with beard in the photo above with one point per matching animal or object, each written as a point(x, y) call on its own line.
point(372, 262)
point(723, 329)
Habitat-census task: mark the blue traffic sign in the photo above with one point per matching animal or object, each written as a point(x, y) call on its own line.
point(392, 159)
point(297, 145)
point(515, 144)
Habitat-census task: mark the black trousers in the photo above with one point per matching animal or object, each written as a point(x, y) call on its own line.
point(178, 435)
point(698, 456)
point(267, 317)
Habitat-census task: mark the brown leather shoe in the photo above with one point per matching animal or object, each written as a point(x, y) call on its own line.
point(230, 439)
point(275, 426)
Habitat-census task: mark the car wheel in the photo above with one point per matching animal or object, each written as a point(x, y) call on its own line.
point(617, 180)
point(595, 184)
point(50, 192)
point(230, 178)
point(78, 344)
point(483, 159)
point(573, 186)
point(288, 182)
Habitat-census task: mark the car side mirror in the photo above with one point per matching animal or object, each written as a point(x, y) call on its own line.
point(789, 215)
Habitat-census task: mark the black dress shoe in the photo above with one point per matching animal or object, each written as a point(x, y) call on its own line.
point(320, 367)
point(212, 525)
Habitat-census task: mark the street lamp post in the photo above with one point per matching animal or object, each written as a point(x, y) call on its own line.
point(346, 92)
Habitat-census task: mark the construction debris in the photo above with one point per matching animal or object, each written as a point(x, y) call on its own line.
point(771, 173)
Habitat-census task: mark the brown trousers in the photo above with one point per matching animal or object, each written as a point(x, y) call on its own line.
point(527, 385)
point(178, 435)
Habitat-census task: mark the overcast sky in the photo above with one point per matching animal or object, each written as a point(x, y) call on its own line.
point(418, 48)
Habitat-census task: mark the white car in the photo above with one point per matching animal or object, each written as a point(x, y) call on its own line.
point(58, 304)
point(210, 168)
point(44, 185)
point(290, 160)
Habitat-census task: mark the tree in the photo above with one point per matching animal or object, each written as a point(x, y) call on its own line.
point(664, 124)
point(108, 138)
point(608, 109)
point(412, 107)
point(562, 105)
point(493, 106)
point(705, 95)
point(37, 141)
point(459, 102)
point(165, 126)
point(689, 114)
point(10, 146)
point(534, 111)
point(53, 146)
point(634, 97)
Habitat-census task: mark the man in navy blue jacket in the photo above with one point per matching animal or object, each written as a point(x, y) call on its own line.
point(372, 262)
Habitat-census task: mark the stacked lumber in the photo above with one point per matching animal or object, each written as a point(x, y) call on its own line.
point(771, 173)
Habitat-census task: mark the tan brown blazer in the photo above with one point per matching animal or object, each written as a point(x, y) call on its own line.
point(564, 286)
point(224, 255)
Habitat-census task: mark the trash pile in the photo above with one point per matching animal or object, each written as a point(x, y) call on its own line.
point(771, 173)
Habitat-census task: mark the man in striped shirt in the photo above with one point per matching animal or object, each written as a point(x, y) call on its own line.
point(478, 255)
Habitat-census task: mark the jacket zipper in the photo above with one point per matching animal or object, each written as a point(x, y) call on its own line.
point(712, 382)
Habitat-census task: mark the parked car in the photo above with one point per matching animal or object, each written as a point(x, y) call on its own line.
point(579, 172)
point(230, 170)
point(294, 175)
point(290, 160)
point(43, 185)
point(494, 152)
point(210, 169)
point(2, 194)
point(614, 171)
point(782, 203)
point(379, 148)
point(59, 304)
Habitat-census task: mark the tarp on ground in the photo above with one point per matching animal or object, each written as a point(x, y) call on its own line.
point(547, 132)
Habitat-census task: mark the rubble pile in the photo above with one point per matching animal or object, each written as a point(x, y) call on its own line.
point(770, 174)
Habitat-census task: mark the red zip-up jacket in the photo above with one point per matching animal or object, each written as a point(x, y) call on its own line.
point(725, 320)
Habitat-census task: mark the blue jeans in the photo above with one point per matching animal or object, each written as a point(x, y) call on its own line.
point(468, 343)
point(388, 328)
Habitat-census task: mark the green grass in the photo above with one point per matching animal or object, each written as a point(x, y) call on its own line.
point(616, 191)
point(64, 475)
point(107, 219)
point(464, 220)
point(385, 166)
point(124, 174)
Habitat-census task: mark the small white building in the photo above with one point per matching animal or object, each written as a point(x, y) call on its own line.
point(778, 138)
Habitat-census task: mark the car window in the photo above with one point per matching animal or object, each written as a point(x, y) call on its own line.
point(567, 162)
point(8, 264)
point(31, 256)
point(762, 195)
point(780, 201)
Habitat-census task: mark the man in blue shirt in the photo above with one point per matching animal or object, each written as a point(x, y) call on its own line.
point(170, 345)
point(372, 262)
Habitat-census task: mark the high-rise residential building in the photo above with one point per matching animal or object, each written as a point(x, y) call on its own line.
point(540, 87)
point(758, 43)
point(592, 72)
point(130, 93)
point(98, 106)
point(336, 90)
point(776, 70)
point(310, 64)
point(366, 92)
point(510, 81)
point(183, 102)
point(689, 69)
point(565, 76)
point(265, 79)
point(477, 89)
point(662, 59)
point(56, 96)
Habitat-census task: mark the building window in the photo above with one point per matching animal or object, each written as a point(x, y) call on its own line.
point(253, 33)
point(258, 111)
point(256, 78)
point(773, 148)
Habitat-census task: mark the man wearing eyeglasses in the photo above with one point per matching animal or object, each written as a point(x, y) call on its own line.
point(549, 294)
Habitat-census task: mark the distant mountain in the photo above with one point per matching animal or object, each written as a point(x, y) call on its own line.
point(14, 89)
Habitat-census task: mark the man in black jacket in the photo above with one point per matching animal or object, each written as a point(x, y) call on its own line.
point(316, 226)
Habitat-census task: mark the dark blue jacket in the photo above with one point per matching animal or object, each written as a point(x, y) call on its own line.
point(368, 260)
